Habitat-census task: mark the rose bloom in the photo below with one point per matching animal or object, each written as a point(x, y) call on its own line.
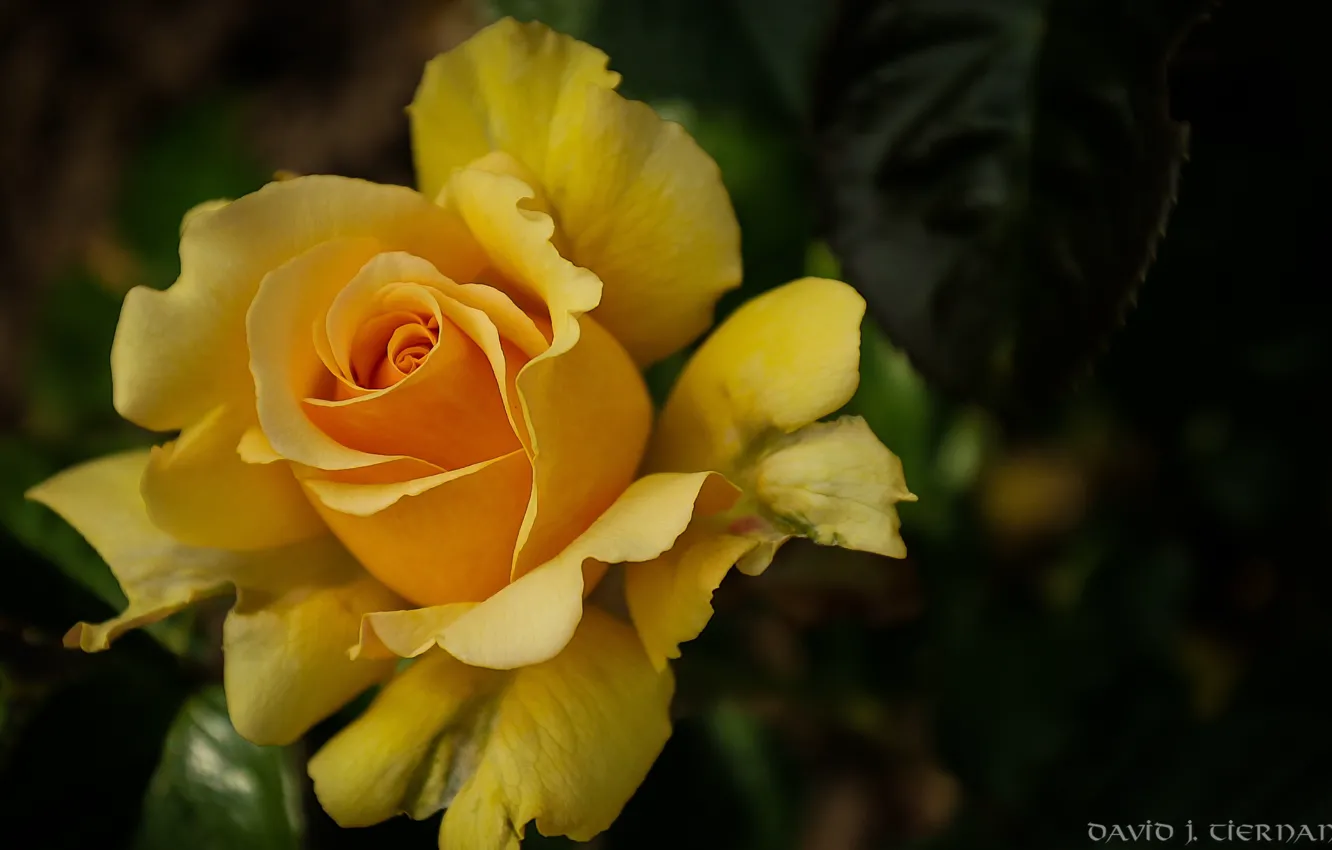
point(412, 425)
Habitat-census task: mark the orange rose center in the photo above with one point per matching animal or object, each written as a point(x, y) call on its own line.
point(405, 378)
point(391, 346)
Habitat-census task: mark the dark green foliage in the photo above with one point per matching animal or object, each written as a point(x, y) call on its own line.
point(996, 174)
point(220, 789)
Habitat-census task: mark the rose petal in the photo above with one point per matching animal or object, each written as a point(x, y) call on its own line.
point(468, 104)
point(637, 200)
point(451, 411)
point(199, 491)
point(299, 607)
point(286, 662)
point(588, 415)
point(584, 402)
point(285, 364)
point(564, 743)
point(670, 597)
point(160, 576)
point(836, 484)
point(532, 619)
point(180, 353)
point(450, 542)
point(778, 363)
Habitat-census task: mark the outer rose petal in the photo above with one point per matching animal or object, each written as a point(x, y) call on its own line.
point(180, 353)
point(747, 404)
point(670, 597)
point(499, 90)
point(642, 205)
point(159, 575)
point(831, 482)
point(286, 660)
point(781, 361)
point(199, 491)
point(532, 619)
point(636, 200)
point(286, 657)
point(836, 484)
point(564, 743)
point(412, 749)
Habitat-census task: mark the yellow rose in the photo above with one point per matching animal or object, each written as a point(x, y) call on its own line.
point(412, 425)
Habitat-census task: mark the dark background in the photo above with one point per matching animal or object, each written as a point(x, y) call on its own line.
point(1116, 604)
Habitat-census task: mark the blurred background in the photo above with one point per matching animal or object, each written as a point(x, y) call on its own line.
point(1116, 604)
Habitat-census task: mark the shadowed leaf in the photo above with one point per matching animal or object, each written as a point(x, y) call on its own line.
point(219, 789)
point(996, 175)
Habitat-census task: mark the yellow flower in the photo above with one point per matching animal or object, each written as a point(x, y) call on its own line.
point(411, 425)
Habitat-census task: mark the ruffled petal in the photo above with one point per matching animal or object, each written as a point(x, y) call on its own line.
point(298, 611)
point(532, 619)
point(642, 205)
point(835, 484)
point(747, 405)
point(500, 90)
point(286, 660)
point(585, 404)
point(200, 492)
point(636, 200)
point(517, 243)
point(159, 575)
point(831, 482)
point(670, 597)
point(564, 743)
point(781, 361)
point(180, 353)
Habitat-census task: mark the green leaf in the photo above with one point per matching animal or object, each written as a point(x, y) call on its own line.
point(997, 174)
point(213, 790)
